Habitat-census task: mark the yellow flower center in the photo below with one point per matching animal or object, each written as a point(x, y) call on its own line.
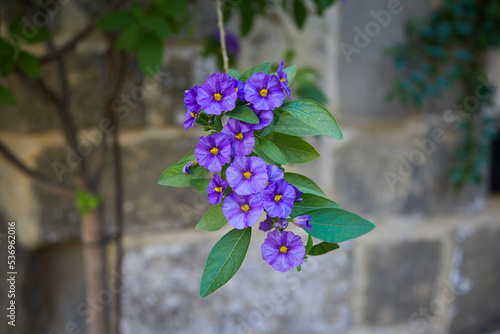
point(277, 198)
point(245, 208)
point(283, 249)
point(247, 174)
point(217, 97)
point(283, 80)
point(236, 89)
point(263, 92)
point(214, 150)
point(239, 136)
point(218, 189)
point(193, 114)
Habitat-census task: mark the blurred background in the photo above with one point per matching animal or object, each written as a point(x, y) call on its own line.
point(411, 83)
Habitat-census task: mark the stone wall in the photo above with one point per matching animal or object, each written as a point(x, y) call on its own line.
point(428, 267)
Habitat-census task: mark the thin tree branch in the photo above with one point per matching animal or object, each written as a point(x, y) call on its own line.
point(67, 122)
point(57, 188)
point(222, 34)
point(72, 43)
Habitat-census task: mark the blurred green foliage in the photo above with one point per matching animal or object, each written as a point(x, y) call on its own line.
point(447, 52)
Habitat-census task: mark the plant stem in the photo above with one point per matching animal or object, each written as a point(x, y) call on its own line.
point(222, 34)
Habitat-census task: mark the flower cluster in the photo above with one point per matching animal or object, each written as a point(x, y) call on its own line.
point(243, 182)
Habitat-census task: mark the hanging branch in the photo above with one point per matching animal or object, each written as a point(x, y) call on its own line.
point(43, 181)
point(222, 34)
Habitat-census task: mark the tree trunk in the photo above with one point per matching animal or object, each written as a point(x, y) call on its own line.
point(94, 261)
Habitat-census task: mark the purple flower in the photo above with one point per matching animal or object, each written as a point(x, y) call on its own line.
point(281, 224)
point(215, 189)
point(190, 99)
point(247, 175)
point(232, 44)
point(303, 221)
point(190, 119)
point(264, 91)
point(265, 118)
point(283, 78)
point(242, 211)
point(186, 167)
point(283, 251)
point(298, 194)
point(240, 136)
point(278, 199)
point(240, 89)
point(217, 94)
point(274, 174)
point(213, 152)
point(266, 225)
point(193, 108)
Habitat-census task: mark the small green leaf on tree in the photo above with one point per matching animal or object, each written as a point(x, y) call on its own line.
point(29, 65)
point(86, 202)
point(116, 20)
point(150, 54)
point(7, 98)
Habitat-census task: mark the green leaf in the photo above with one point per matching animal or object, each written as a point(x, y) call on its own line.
point(271, 150)
point(336, 225)
point(129, 38)
point(174, 177)
point(322, 248)
point(246, 17)
point(244, 114)
point(293, 126)
point(310, 203)
point(7, 98)
point(213, 219)
point(29, 65)
point(158, 25)
point(290, 71)
point(115, 20)
point(322, 5)
point(264, 67)
point(224, 260)
point(175, 8)
point(309, 244)
point(200, 184)
point(150, 54)
point(299, 13)
point(261, 154)
point(7, 58)
point(315, 115)
point(86, 202)
point(294, 149)
point(234, 73)
point(304, 184)
point(40, 35)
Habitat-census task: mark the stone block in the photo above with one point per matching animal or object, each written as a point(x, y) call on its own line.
point(366, 72)
point(53, 301)
point(475, 275)
point(89, 92)
point(161, 292)
point(403, 170)
point(401, 279)
point(148, 206)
